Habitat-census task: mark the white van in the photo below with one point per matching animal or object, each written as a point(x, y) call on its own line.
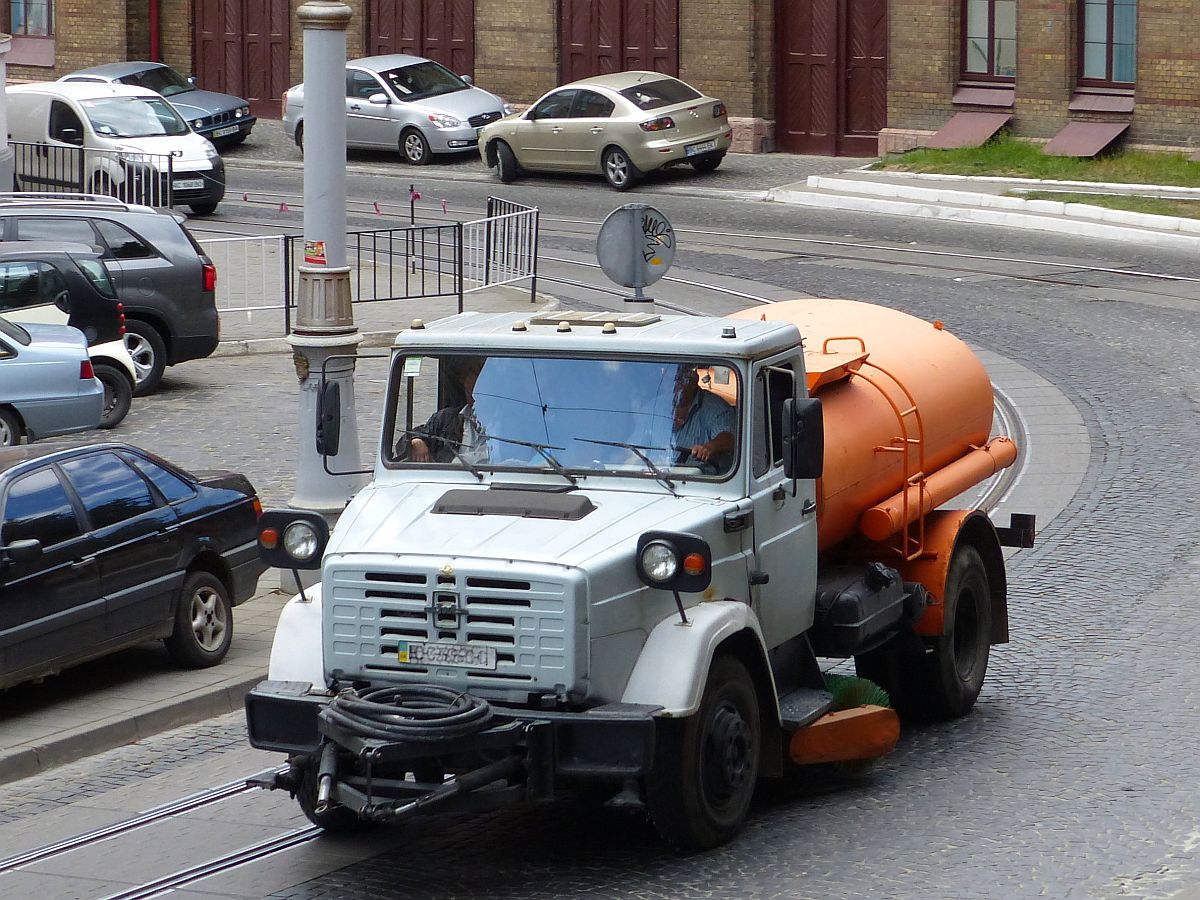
point(89, 137)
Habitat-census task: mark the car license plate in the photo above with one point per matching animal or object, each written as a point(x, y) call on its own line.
point(464, 656)
point(226, 131)
point(703, 147)
point(188, 184)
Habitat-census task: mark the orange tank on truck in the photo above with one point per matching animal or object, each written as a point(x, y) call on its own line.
point(905, 403)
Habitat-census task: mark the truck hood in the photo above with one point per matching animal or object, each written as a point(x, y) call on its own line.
point(400, 520)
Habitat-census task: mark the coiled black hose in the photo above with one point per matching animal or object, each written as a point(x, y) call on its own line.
point(414, 712)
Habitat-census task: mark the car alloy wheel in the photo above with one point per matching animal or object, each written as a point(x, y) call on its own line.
point(414, 148)
point(619, 169)
point(149, 355)
point(203, 622)
point(10, 429)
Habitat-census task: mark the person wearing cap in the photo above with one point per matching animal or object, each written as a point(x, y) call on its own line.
point(702, 426)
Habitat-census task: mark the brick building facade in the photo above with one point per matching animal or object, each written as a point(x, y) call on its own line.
point(825, 76)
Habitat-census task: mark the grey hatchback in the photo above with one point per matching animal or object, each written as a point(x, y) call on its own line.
point(163, 277)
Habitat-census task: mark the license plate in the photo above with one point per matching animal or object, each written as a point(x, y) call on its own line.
point(464, 656)
point(703, 147)
point(226, 131)
point(188, 184)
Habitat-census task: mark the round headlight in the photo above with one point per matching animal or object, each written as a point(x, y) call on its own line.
point(300, 541)
point(196, 123)
point(660, 562)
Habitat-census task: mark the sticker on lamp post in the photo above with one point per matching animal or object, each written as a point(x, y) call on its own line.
point(636, 246)
point(314, 252)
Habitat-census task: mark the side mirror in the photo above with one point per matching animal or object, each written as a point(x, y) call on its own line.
point(380, 99)
point(467, 78)
point(191, 79)
point(329, 419)
point(532, 115)
point(20, 551)
point(803, 438)
point(70, 136)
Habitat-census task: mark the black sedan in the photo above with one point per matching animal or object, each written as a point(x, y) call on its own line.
point(106, 546)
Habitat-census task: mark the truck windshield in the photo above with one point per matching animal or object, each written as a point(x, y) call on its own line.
point(677, 419)
point(132, 117)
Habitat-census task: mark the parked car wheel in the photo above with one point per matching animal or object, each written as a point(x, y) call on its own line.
point(300, 137)
point(414, 148)
point(506, 163)
point(619, 169)
point(203, 622)
point(708, 164)
point(102, 184)
point(10, 428)
point(149, 353)
point(203, 209)
point(118, 394)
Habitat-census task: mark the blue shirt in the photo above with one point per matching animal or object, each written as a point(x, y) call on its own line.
point(708, 417)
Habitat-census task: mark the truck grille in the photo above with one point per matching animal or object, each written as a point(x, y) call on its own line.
point(529, 621)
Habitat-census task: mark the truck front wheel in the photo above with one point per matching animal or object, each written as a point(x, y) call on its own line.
point(706, 767)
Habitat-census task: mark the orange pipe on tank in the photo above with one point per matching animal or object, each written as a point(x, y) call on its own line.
point(884, 519)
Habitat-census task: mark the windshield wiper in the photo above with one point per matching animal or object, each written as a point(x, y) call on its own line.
point(448, 444)
point(663, 478)
point(542, 451)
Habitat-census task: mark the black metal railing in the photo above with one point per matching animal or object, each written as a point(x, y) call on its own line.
point(146, 178)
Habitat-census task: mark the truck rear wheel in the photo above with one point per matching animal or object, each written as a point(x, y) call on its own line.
point(706, 767)
point(958, 661)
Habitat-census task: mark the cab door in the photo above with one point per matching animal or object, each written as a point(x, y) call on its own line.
point(785, 526)
point(51, 608)
point(137, 541)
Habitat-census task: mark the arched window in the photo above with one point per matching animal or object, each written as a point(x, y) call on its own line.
point(1108, 42)
point(989, 40)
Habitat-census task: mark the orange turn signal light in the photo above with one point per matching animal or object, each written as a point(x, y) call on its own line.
point(693, 564)
point(269, 538)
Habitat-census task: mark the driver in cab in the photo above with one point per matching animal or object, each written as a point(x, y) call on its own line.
point(702, 426)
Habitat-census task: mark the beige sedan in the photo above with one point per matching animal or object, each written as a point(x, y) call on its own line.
point(621, 125)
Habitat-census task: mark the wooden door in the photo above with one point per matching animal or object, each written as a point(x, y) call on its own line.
point(831, 87)
point(241, 47)
point(601, 36)
point(442, 30)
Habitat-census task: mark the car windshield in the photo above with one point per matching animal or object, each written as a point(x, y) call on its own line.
point(98, 276)
point(133, 117)
point(425, 79)
point(670, 420)
point(656, 94)
point(161, 79)
point(15, 332)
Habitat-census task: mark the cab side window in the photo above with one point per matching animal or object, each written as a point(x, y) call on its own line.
point(110, 490)
point(590, 105)
point(38, 508)
point(65, 125)
point(556, 106)
point(772, 386)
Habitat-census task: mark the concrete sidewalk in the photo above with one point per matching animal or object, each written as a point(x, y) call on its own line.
point(962, 198)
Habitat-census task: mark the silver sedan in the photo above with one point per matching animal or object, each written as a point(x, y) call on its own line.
point(622, 125)
point(405, 103)
point(47, 385)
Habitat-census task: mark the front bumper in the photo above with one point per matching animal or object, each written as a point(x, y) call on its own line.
point(241, 130)
point(452, 140)
point(611, 742)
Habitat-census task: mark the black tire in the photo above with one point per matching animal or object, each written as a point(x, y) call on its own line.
point(300, 137)
point(957, 664)
point(708, 164)
point(507, 169)
point(414, 148)
point(10, 428)
point(706, 766)
point(203, 622)
point(118, 394)
point(149, 353)
point(202, 209)
point(619, 169)
point(102, 184)
point(335, 819)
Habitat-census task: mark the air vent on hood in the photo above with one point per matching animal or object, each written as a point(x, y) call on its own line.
point(521, 504)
